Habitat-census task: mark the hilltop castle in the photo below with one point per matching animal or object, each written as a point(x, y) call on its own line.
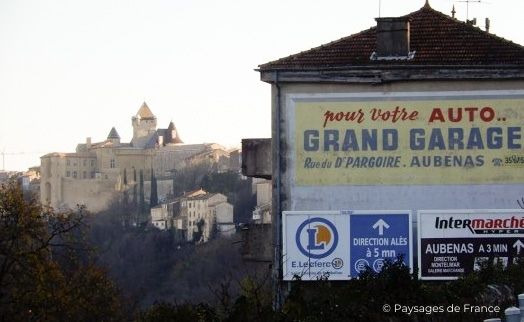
point(94, 174)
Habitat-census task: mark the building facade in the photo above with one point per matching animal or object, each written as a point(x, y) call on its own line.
point(418, 112)
point(198, 215)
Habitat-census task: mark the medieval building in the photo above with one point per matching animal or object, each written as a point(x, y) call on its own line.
point(98, 172)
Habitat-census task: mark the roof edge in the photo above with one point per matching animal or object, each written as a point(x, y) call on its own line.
point(376, 76)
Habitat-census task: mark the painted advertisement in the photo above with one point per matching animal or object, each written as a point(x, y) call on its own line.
point(409, 139)
point(452, 243)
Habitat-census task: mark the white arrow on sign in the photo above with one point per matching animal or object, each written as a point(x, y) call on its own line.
point(518, 245)
point(381, 224)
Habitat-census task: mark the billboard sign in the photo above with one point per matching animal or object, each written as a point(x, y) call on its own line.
point(315, 245)
point(408, 139)
point(379, 236)
point(452, 243)
point(339, 245)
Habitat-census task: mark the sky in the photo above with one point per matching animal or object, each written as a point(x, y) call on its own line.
point(72, 69)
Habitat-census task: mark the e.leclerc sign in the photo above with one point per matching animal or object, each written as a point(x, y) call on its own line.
point(338, 245)
point(315, 245)
point(455, 242)
point(377, 237)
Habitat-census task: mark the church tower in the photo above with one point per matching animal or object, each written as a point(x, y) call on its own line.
point(144, 126)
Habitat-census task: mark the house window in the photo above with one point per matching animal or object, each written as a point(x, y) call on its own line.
point(92, 163)
point(75, 174)
point(112, 163)
point(85, 163)
point(68, 174)
point(68, 162)
point(92, 174)
point(84, 175)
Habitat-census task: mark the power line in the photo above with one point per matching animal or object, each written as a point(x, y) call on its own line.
point(3, 153)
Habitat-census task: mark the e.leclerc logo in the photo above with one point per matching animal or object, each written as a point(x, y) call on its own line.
point(317, 238)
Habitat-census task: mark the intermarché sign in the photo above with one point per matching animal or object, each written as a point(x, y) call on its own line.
point(456, 242)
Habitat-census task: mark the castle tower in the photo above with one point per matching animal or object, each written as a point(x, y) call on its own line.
point(113, 136)
point(144, 126)
point(172, 134)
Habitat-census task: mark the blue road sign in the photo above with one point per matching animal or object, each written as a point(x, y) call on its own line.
point(378, 236)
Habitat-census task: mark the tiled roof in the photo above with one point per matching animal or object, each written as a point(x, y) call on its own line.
point(113, 134)
point(193, 193)
point(202, 197)
point(436, 38)
point(144, 112)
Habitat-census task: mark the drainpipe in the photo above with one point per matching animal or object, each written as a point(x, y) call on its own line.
point(277, 218)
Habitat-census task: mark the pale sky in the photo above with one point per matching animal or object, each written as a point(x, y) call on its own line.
point(73, 69)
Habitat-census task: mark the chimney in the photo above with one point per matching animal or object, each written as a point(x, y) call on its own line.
point(392, 37)
point(488, 24)
point(88, 142)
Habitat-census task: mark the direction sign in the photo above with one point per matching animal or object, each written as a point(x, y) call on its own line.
point(338, 245)
point(452, 243)
point(377, 236)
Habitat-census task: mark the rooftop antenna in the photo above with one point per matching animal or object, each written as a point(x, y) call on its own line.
point(467, 6)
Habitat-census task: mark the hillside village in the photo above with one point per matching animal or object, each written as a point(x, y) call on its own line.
point(197, 215)
point(153, 180)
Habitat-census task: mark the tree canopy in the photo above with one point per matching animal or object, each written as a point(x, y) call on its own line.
point(45, 269)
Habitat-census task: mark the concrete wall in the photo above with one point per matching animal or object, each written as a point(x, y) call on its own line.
point(257, 243)
point(264, 190)
point(256, 158)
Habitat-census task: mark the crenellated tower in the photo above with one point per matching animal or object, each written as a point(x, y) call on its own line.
point(144, 126)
